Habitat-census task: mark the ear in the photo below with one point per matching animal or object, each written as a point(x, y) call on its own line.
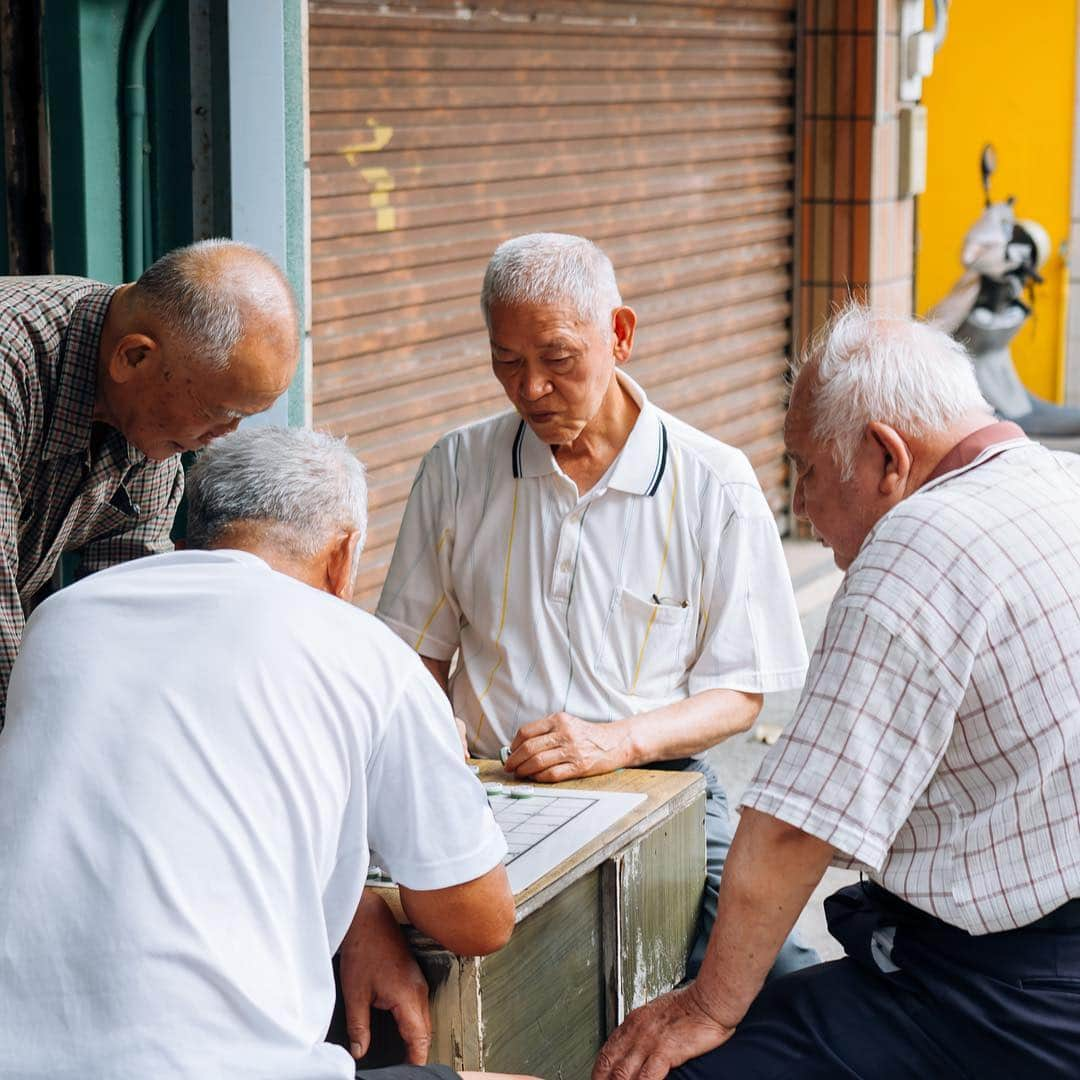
point(623, 321)
point(895, 459)
point(340, 560)
point(133, 355)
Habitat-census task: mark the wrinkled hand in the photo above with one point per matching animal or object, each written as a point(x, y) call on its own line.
point(659, 1037)
point(377, 969)
point(562, 747)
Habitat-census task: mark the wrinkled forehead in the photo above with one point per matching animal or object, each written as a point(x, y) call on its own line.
point(539, 322)
point(797, 422)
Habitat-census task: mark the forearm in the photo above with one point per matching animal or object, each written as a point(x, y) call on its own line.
point(440, 670)
point(373, 920)
point(769, 875)
point(685, 727)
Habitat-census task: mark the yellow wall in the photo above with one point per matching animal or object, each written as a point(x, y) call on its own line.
point(1004, 75)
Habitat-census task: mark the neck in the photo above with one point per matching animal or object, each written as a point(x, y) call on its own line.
point(112, 330)
point(604, 435)
point(931, 450)
point(239, 538)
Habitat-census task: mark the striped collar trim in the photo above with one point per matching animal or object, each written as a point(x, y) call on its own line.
point(640, 465)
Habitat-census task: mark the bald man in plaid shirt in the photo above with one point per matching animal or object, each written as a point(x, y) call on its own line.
point(103, 387)
point(936, 747)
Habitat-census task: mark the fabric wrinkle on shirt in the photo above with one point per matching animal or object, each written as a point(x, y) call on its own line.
point(937, 740)
point(549, 593)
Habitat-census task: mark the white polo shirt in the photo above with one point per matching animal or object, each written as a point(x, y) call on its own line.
point(665, 579)
point(197, 754)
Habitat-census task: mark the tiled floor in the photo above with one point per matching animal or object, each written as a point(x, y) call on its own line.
point(816, 579)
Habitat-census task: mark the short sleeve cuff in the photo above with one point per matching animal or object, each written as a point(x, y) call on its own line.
point(822, 822)
point(485, 856)
point(749, 682)
point(430, 646)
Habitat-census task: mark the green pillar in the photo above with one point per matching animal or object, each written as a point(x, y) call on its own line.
point(81, 43)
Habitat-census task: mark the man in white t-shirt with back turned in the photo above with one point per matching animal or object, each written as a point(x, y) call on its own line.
point(200, 748)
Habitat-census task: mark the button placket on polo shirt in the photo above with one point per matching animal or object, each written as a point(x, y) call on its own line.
point(573, 510)
point(566, 554)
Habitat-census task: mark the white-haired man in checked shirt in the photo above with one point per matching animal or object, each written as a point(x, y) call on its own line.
point(936, 746)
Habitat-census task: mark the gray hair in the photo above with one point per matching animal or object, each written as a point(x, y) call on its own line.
point(552, 268)
point(894, 369)
point(300, 487)
point(205, 300)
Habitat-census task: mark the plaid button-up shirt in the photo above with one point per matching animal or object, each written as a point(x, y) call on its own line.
point(66, 482)
point(937, 740)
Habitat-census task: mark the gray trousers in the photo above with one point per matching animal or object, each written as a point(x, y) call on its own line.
point(719, 830)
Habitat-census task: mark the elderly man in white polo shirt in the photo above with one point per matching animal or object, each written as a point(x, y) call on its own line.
point(193, 769)
point(610, 579)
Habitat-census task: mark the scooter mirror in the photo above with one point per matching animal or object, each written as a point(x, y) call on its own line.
point(988, 164)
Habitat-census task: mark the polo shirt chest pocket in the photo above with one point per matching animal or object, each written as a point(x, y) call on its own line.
point(642, 651)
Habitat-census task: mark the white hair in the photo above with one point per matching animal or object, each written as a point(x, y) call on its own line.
point(206, 302)
point(552, 268)
point(894, 369)
point(300, 487)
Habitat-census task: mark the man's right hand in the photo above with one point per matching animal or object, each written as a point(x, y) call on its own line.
point(378, 970)
point(659, 1037)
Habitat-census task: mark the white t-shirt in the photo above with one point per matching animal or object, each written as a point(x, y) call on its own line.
point(665, 579)
point(198, 752)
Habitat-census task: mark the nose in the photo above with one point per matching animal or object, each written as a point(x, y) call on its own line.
point(534, 383)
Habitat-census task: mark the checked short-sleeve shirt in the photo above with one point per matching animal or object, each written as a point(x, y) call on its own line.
point(66, 482)
point(937, 740)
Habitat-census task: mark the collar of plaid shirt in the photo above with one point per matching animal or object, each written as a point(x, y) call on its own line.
point(968, 449)
point(72, 419)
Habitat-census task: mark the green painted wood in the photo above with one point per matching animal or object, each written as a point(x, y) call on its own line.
point(661, 879)
point(81, 45)
point(542, 997)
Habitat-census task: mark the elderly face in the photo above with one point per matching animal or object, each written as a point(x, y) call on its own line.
point(842, 512)
point(555, 367)
point(173, 403)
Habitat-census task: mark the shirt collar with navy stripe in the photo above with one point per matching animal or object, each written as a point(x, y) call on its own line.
point(639, 466)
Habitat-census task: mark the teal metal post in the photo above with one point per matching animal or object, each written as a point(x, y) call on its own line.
point(135, 140)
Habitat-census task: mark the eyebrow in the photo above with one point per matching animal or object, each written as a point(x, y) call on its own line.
point(555, 345)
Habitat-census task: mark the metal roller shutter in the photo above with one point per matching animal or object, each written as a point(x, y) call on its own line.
point(664, 131)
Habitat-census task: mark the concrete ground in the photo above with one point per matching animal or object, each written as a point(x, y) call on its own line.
point(816, 579)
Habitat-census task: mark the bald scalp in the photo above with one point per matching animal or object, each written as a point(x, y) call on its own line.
point(210, 295)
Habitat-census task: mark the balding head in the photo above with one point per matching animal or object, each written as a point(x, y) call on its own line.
point(210, 293)
point(208, 335)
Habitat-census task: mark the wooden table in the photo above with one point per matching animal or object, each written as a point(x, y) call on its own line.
point(604, 932)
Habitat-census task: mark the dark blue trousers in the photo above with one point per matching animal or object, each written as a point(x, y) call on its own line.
point(914, 999)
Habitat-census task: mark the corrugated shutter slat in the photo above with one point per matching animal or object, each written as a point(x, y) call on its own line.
point(662, 130)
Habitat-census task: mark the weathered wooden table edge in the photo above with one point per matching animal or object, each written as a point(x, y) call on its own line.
point(596, 936)
point(666, 793)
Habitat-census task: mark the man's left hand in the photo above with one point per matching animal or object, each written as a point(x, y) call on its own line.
point(659, 1037)
point(562, 747)
point(378, 971)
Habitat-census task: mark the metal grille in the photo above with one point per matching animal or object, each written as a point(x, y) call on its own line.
point(664, 131)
